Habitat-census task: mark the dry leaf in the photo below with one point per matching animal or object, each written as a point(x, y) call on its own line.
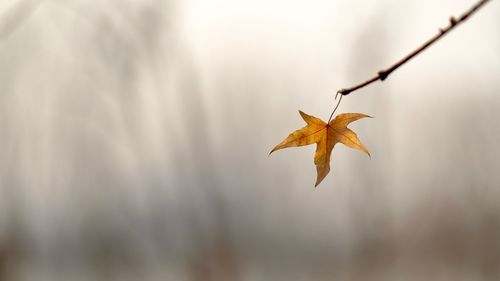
point(325, 136)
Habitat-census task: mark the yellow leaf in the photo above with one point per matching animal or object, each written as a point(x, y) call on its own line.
point(325, 136)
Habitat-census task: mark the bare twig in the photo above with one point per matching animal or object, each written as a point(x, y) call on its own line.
point(383, 74)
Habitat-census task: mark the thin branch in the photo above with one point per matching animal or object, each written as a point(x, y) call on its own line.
point(383, 74)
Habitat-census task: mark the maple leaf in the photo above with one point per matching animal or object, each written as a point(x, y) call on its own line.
point(325, 136)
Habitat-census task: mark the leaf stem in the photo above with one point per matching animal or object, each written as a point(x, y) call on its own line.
point(338, 103)
point(383, 74)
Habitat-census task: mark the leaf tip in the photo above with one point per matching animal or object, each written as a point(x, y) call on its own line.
point(365, 150)
point(318, 181)
point(321, 176)
point(274, 149)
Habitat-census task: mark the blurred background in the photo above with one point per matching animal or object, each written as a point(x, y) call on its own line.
point(134, 140)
